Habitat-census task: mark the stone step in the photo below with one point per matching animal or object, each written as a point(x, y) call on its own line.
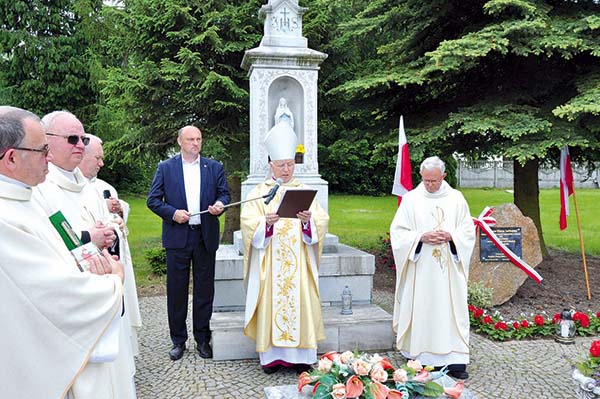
point(346, 266)
point(368, 328)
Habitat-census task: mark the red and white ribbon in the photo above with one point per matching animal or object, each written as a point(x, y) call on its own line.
point(484, 221)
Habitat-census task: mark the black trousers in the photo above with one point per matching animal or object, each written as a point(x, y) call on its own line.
point(178, 280)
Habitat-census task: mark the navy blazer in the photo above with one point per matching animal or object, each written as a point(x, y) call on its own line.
point(167, 194)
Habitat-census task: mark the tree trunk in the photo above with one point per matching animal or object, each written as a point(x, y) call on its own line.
point(527, 195)
point(232, 216)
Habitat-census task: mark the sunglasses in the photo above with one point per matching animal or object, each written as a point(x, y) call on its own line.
point(73, 139)
point(44, 150)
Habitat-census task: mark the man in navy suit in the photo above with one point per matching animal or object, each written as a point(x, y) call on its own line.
point(183, 186)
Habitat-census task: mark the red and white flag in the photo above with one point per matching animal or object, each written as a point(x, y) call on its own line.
point(566, 185)
point(403, 175)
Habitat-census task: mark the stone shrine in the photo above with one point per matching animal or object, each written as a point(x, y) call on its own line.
point(284, 68)
point(283, 86)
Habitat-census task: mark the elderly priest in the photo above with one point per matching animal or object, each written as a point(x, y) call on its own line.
point(281, 266)
point(432, 238)
point(53, 316)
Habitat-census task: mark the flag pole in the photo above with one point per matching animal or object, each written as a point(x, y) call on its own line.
point(585, 271)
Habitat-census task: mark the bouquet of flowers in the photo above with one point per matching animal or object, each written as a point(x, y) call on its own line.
point(587, 370)
point(366, 376)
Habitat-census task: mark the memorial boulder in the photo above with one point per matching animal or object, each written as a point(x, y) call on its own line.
point(490, 267)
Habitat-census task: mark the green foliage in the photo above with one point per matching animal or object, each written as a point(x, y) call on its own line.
point(496, 328)
point(180, 65)
point(43, 62)
point(479, 295)
point(157, 259)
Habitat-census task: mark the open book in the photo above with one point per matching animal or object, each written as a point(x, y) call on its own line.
point(294, 201)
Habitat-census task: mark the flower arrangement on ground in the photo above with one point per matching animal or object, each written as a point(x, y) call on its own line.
point(587, 372)
point(495, 327)
point(366, 376)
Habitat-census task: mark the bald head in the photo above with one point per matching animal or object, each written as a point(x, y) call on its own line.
point(59, 126)
point(190, 141)
point(93, 158)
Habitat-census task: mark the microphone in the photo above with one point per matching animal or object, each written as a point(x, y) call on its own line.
point(271, 194)
point(106, 194)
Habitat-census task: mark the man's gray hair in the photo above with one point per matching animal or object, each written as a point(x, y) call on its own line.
point(48, 119)
point(12, 129)
point(92, 138)
point(433, 162)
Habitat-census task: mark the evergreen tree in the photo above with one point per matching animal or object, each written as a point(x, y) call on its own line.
point(43, 55)
point(516, 78)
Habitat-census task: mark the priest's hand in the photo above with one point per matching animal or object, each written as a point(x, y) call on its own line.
point(114, 206)
point(101, 235)
point(104, 263)
point(304, 216)
point(181, 216)
point(436, 237)
point(216, 209)
point(271, 218)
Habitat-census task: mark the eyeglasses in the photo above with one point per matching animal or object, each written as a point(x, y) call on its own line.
point(73, 139)
point(44, 150)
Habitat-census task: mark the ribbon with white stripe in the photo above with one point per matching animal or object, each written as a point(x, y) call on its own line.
point(484, 222)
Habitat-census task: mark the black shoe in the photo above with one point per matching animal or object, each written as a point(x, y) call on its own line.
point(271, 370)
point(204, 350)
point(301, 367)
point(458, 371)
point(459, 375)
point(177, 351)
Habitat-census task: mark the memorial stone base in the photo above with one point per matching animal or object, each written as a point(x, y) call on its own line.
point(341, 266)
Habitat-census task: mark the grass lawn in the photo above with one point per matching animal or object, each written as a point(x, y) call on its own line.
point(359, 221)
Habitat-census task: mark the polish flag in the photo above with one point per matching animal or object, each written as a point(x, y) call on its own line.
point(566, 185)
point(403, 175)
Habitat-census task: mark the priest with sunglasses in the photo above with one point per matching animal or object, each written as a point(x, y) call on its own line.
point(67, 190)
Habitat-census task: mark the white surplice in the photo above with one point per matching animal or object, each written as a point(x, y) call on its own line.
point(132, 307)
point(52, 314)
point(431, 317)
point(70, 193)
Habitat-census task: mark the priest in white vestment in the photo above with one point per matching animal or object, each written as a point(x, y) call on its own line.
point(92, 162)
point(66, 189)
point(53, 316)
point(432, 237)
point(281, 266)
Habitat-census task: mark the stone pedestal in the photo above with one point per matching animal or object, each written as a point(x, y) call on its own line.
point(341, 265)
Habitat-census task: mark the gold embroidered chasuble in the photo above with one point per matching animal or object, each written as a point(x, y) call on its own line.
point(430, 310)
point(283, 307)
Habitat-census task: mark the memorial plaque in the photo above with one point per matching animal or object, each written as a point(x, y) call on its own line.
point(509, 236)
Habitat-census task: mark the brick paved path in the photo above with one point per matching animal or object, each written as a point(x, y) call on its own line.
point(503, 370)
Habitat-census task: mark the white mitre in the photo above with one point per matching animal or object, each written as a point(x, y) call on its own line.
point(281, 142)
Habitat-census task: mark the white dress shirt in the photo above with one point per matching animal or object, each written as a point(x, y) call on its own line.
point(191, 179)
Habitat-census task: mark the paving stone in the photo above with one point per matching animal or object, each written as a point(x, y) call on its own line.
point(503, 370)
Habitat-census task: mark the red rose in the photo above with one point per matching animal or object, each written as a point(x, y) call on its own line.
point(516, 325)
point(488, 320)
point(524, 323)
point(478, 313)
point(595, 349)
point(582, 318)
point(598, 315)
point(500, 326)
point(539, 320)
point(471, 308)
point(556, 318)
